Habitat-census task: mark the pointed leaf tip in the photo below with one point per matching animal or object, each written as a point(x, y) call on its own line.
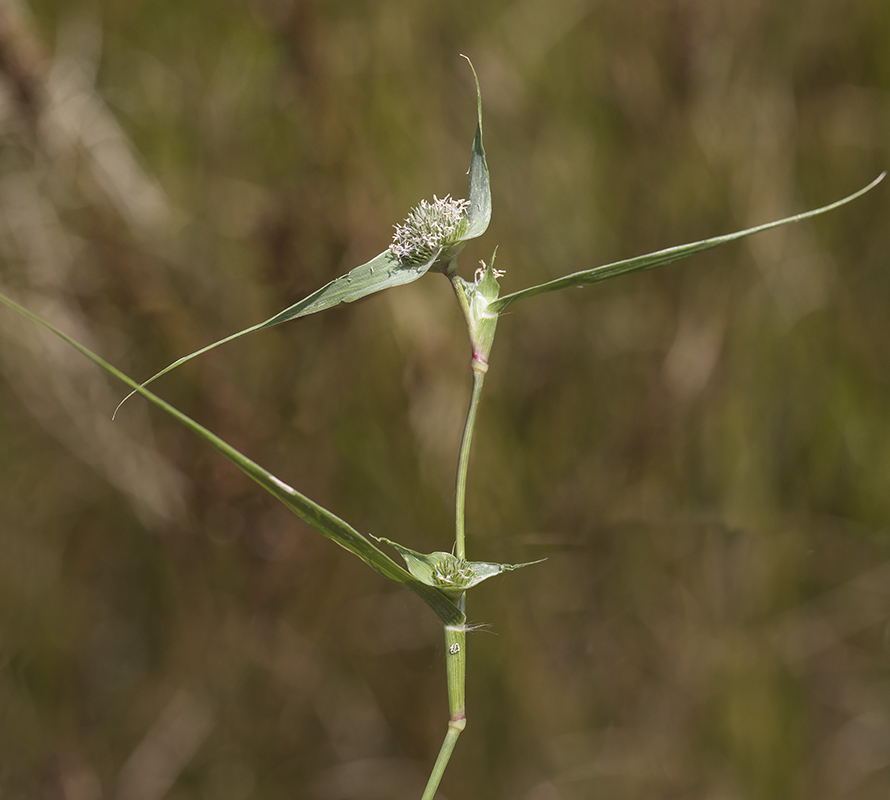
point(478, 90)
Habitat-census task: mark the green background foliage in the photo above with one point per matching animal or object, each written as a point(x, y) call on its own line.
point(702, 453)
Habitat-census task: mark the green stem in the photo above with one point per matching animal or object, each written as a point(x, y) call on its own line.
point(456, 635)
point(454, 730)
point(456, 667)
point(463, 461)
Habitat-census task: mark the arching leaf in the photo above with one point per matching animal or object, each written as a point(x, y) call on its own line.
point(314, 515)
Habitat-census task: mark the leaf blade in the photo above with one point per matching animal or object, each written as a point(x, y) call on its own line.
point(316, 516)
point(384, 271)
point(662, 257)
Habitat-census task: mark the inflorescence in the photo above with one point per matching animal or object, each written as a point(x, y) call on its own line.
point(429, 229)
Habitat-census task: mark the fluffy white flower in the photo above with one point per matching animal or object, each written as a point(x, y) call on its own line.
point(429, 228)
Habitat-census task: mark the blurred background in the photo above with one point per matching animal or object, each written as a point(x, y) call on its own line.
point(702, 452)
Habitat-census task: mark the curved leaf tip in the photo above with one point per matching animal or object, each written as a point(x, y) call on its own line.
point(479, 213)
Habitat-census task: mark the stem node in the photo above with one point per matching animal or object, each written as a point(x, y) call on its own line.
point(458, 724)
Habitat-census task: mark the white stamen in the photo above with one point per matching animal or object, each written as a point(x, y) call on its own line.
point(429, 228)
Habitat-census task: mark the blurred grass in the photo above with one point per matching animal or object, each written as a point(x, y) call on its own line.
point(702, 453)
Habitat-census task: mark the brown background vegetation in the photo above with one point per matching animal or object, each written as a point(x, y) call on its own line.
point(702, 453)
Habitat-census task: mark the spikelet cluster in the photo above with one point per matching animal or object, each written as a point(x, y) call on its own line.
point(430, 227)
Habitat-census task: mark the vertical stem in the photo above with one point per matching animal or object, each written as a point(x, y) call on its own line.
point(442, 761)
point(463, 461)
point(456, 636)
point(455, 655)
point(456, 669)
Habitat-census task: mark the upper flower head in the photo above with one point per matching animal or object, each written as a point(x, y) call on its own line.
point(429, 229)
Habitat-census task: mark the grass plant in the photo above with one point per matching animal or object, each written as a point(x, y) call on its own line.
point(430, 240)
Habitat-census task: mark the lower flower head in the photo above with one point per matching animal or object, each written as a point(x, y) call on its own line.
point(429, 229)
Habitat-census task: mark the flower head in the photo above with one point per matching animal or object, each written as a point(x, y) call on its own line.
point(430, 228)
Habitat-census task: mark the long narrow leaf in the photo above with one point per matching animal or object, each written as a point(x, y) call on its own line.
point(661, 257)
point(382, 272)
point(314, 515)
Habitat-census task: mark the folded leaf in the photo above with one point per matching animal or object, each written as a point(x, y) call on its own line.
point(661, 257)
point(314, 515)
point(448, 572)
point(479, 212)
